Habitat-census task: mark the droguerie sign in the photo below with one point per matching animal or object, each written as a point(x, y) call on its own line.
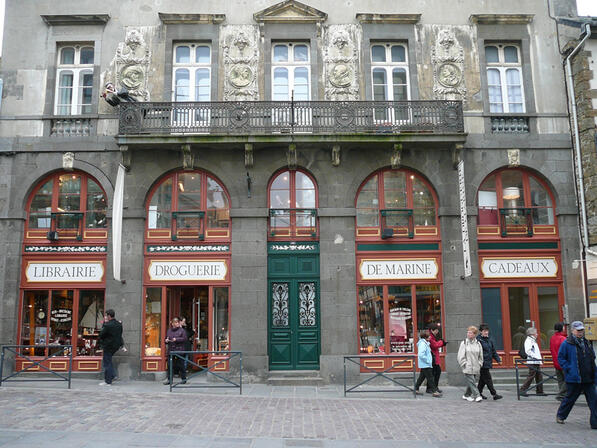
point(519, 267)
point(412, 269)
point(187, 270)
point(74, 272)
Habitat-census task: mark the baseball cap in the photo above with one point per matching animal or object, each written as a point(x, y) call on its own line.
point(577, 325)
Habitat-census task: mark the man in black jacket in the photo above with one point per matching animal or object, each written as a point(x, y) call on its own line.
point(489, 354)
point(110, 340)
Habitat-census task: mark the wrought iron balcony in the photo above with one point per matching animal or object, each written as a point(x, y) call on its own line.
point(291, 117)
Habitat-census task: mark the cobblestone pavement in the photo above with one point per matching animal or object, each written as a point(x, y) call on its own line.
point(145, 414)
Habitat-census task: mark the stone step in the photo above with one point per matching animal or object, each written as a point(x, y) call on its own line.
point(294, 378)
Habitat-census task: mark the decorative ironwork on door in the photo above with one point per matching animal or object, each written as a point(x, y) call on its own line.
point(307, 306)
point(280, 304)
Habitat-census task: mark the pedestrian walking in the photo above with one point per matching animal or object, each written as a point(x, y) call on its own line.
point(534, 361)
point(554, 347)
point(435, 343)
point(110, 340)
point(489, 354)
point(175, 339)
point(188, 346)
point(470, 359)
point(425, 359)
point(577, 359)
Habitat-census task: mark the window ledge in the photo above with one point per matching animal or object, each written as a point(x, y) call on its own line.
point(501, 19)
point(75, 19)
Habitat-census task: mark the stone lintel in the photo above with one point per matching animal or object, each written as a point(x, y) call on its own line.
point(501, 19)
point(290, 11)
point(75, 19)
point(388, 18)
point(174, 18)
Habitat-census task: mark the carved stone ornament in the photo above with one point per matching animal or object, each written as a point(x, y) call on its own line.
point(340, 59)
point(447, 57)
point(239, 43)
point(513, 158)
point(133, 57)
point(68, 160)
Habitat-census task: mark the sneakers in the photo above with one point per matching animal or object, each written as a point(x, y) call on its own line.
point(166, 382)
point(417, 392)
point(478, 399)
point(467, 398)
point(103, 383)
point(559, 420)
point(497, 397)
point(437, 395)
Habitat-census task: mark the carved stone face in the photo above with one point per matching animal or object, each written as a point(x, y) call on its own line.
point(340, 41)
point(134, 39)
point(445, 39)
point(241, 42)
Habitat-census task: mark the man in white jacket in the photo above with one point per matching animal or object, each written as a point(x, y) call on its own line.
point(534, 361)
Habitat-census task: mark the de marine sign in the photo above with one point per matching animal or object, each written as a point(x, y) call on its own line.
point(537, 267)
point(404, 269)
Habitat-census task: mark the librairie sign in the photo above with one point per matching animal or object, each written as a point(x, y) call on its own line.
point(519, 267)
point(187, 270)
point(407, 269)
point(64, 272)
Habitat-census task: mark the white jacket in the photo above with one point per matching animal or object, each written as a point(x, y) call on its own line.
point(470, 356)
point(531, 348)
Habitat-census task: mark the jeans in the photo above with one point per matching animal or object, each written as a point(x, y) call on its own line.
point(109, 371)
point(485, 379)
point(574, 391)
point(471, 385)
point(534, 372)
point(561, 384)
point(426, 374)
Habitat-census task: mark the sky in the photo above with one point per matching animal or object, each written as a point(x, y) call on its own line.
point(587, 7)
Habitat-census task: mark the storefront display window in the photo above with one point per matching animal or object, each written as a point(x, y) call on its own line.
point(91, 317)
point(400, 319)
point(429, 307)
point(34, 328)
point(153, 322)
point(371, 319)
point(61, 318)
point(220, 315)
point(549, 313)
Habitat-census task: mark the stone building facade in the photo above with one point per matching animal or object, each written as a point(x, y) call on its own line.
point(302, 182)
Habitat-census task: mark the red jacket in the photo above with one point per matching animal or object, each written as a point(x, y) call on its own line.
point(554, 347)
point(435, 345)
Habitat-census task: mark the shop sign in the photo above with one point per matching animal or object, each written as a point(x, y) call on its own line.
point(187, 270)
point(66, 272)
point(519, 267)
point(61, 315)
point(411, 269)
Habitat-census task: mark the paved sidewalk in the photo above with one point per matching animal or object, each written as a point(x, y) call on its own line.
point(139, 413)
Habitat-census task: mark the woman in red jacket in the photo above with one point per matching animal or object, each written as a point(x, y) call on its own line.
point(554, 347)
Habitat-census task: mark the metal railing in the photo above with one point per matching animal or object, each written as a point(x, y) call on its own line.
point(397, 222)
point(291, 117)
point(182, 220)
point(61, 350)
point(212, 364)
point(381, 374)
point(545, 376)
point(516, 221)
point(296, 221)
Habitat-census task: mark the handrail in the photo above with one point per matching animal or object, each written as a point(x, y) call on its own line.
point(228, 355)
point(387, 231)
point(526, 212)
point(63, 350)
point(175, 228)
point(525, 362)
point(382, 374)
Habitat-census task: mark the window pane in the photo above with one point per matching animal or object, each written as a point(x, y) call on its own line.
point(400, 319)
point(301, 84)
point(423, 204)
point(379, 85)
point(541, 203)
point(514, 90)
point(400, 87)
point(158, 216)
point(510, 54)
point(152, 338)
point(67, 55)
point(85, 92)
point(549, 313)
point(520, 315)
point(96, 206)
point(69, 200)
point(488, 213)
point(41, 207)
point(202, 54)
point(65, 93)
point(280, 84)
point(305, 191)
point(368, 204)
point(429, 307)
point(34, 329)
point(280, 53)
point(378, 53)
point(492, 315)
point(495, 91)
point(91, 315)
point(399, 76)
point(512, 189)
point(202, 85)
point(182, 92)
point(216, 197)
point(221, 338)
point(183, 55)
point(189, 191)
point(371, 319)
point(394, 189)
point(301, 53)
point(86, 55)
point(61, 319)
point(491, 54)
point(398, 53)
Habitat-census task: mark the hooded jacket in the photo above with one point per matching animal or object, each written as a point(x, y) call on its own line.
point(435, 344)
point(470, 356)
point(568, 359)
point(424, 354)
point(489, 352)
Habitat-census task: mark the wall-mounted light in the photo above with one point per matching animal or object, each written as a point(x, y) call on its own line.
point(511, 193)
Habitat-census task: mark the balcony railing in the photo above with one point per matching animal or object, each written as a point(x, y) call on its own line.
point(293, 222)
point(516, 221)
point(188, 224)
point(508, 124)
point(291, 117)
point(397, 222)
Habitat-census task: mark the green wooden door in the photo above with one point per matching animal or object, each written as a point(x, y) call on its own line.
point(293, 316)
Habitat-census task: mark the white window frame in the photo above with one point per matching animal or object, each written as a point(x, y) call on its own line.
point(503, 67)
point(291, 65)
point(78, 70)
point(185, 116)
point(391, 115)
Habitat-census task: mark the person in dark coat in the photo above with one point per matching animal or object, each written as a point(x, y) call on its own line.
point(189, 342)
point(110, 340)
point(176, 339)
point(554, 347)
point(435, 343)
point(577, 359)
point(489, 354)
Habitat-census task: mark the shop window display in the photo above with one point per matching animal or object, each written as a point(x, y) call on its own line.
point(153, 319)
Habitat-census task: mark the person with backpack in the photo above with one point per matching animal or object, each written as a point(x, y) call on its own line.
point(489, 354)
point(425, 359)
point(470, 359)
point(554, 347)
point(577, 359)
point(110, 340)
point(534, 361)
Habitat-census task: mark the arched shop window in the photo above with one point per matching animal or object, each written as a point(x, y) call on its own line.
point(396, 204)
point(292, 205)
point(189, 205)
point(514, 202)
point(67, 206)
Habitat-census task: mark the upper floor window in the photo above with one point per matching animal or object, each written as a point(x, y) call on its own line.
point(189, 204)
point(516, 201)
point(389, 72)
point(291, 72)
point(398, 202)
point(192, 72)
point(504, 78)
point(293, 205)
point(68, 203)
point(74, 75)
